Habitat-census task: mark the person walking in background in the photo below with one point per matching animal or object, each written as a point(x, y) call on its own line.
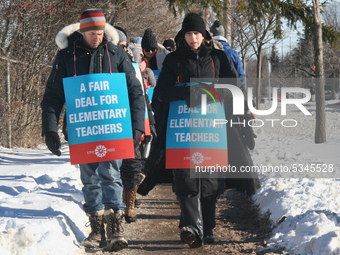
point(136, 49)
point(147, 74)
point(123, 41)
point(86, 49)
point(149, 81)
point(169, 44)
point(218, 32)
point(131, 171)
point(153, 51)
point(195, 57)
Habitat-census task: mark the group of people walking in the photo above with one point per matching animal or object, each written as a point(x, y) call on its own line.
point(110, 187)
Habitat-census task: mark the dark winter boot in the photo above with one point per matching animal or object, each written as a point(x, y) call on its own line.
point(115, 241)
point(209, 237)
point(129, 200)
point(97, 236)
point(189, 236)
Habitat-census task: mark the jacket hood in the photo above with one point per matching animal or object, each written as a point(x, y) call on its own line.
point(62, 41)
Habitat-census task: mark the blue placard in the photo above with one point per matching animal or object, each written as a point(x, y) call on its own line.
point(193, 137)
point(97, 108)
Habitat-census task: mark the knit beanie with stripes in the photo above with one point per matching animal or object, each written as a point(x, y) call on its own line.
point(92, 19)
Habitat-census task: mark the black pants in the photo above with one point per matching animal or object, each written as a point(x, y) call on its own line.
point(198, 213)
point(197, 209)
point(131, 169)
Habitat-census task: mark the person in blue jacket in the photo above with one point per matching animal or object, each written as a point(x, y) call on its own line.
point(218, 32)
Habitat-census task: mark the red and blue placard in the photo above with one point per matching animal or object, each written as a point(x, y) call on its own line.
point(98, 118)
point(192, 139)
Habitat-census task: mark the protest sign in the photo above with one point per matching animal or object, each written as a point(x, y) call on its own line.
point(193, 139)
point(98, 118)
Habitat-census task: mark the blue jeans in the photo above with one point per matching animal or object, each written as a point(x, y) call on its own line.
point(103, 188)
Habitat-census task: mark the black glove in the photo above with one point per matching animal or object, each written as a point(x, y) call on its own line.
point(137, 137)
point(153, 131)
point(52, 141)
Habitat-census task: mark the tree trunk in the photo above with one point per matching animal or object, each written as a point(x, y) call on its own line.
point(9, 108)
point(259, 78)
point(227, 22)
point(333, 86)
point(320, 124)
point(245, 72)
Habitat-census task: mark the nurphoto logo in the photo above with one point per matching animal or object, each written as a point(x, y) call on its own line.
point(238, 104)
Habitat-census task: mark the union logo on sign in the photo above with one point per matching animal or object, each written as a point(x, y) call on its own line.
point(197, 158)
point(100, 151)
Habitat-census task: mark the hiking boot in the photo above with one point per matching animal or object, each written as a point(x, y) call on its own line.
point(189, 236)
point(129, 200)
point(97, 236)
point(115, 241)
point(196, 244)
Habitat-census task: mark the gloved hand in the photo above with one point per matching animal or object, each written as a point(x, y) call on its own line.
point(137, 137)
point(52, 141)
point(153, 131)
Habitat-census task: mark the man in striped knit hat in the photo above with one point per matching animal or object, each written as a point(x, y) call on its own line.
point(87, 47)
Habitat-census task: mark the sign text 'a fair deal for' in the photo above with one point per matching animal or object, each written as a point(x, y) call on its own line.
point(98, 118)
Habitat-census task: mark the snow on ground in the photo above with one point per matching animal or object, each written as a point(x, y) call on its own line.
point(40, 203)
point(41, 199)
point(305, 205)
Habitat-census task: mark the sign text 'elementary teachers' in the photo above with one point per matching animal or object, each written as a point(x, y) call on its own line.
point(105, 114)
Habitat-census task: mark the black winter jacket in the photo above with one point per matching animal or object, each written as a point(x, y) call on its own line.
point(179, 67)
point(89, 61)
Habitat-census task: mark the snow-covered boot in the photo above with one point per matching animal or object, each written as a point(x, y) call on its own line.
point(114, 230)
point(97, 236)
